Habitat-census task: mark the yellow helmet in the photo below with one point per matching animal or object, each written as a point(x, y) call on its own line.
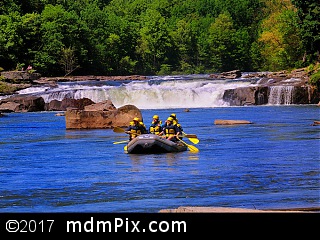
point(136, 119)
point(155, 117)
point(173, 115)
point(170, 119)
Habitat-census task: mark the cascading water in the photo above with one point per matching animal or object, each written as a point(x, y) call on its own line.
point(154, 93)
point(281, 95)
point(185, 91)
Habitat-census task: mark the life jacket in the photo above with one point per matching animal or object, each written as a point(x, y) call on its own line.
point(170, 130)
point(155, 127)
point(175, 122)
point(142, 124)
point(136, 130)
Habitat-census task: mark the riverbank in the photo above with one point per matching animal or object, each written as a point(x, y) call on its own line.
point(238, 210)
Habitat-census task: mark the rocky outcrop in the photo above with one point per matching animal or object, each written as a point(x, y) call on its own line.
point(35, 104)
point(246, 96)
point(53, 80)
point(56, 105)
point(264, 86)
point(84, 119)
point(22, 104)
point(303, 94)
point(227, 75)
point(20, 75)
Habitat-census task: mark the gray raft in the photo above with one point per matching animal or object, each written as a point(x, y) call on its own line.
point(151, 143)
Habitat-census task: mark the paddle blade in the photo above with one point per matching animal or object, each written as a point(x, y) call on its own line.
point(121, 142)
point(192, 137)
point(118, 130)
point(194, 140)
point(193, 149)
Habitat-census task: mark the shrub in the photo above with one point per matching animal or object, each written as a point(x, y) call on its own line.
point(6, 88)
point(315, 79)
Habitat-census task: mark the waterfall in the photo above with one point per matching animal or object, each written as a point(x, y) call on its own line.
point(159, 92)
point(280, 95)
point(153, 93)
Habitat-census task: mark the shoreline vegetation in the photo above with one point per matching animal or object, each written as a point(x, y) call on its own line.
point(155, 37)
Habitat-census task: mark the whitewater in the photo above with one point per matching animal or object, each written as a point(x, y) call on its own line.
point(156, 92)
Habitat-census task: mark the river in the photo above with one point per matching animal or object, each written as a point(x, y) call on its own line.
point(272, 163)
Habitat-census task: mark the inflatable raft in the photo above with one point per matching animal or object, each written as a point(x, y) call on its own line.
point(151, 143)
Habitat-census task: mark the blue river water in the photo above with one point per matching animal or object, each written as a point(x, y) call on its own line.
point(272, 163)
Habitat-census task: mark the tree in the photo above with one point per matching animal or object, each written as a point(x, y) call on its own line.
point(185, 41)
point(59, 28)
point(221, 43)
point(309, 15)
point(68, 60)
point(280, 42)
point(154, 43)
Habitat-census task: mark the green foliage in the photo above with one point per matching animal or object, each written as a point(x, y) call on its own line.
point(280, 41)
point(309, 15)
point(117, 37)
point(315, 79)
point(165, 69)
point(222, 43)
point(6, 88)
point(68, 60)
point(314, 72)
point(20, 66)
point(126, 65)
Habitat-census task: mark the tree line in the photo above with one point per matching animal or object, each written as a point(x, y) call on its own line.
point(123, 37)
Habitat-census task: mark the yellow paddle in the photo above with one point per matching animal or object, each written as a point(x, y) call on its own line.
point(118, 130)
point(192, 138)
point(125, 141)
point(190, 147)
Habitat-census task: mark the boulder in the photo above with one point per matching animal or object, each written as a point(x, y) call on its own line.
point(244, 96)
point(84, 119)
point(56, 105)
point(305, 95)
point(259, 95)
point(230, 122)
point(9, 107)
point(22, 104)
point(20, 75)
point(101, 106)
point(316, 123)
